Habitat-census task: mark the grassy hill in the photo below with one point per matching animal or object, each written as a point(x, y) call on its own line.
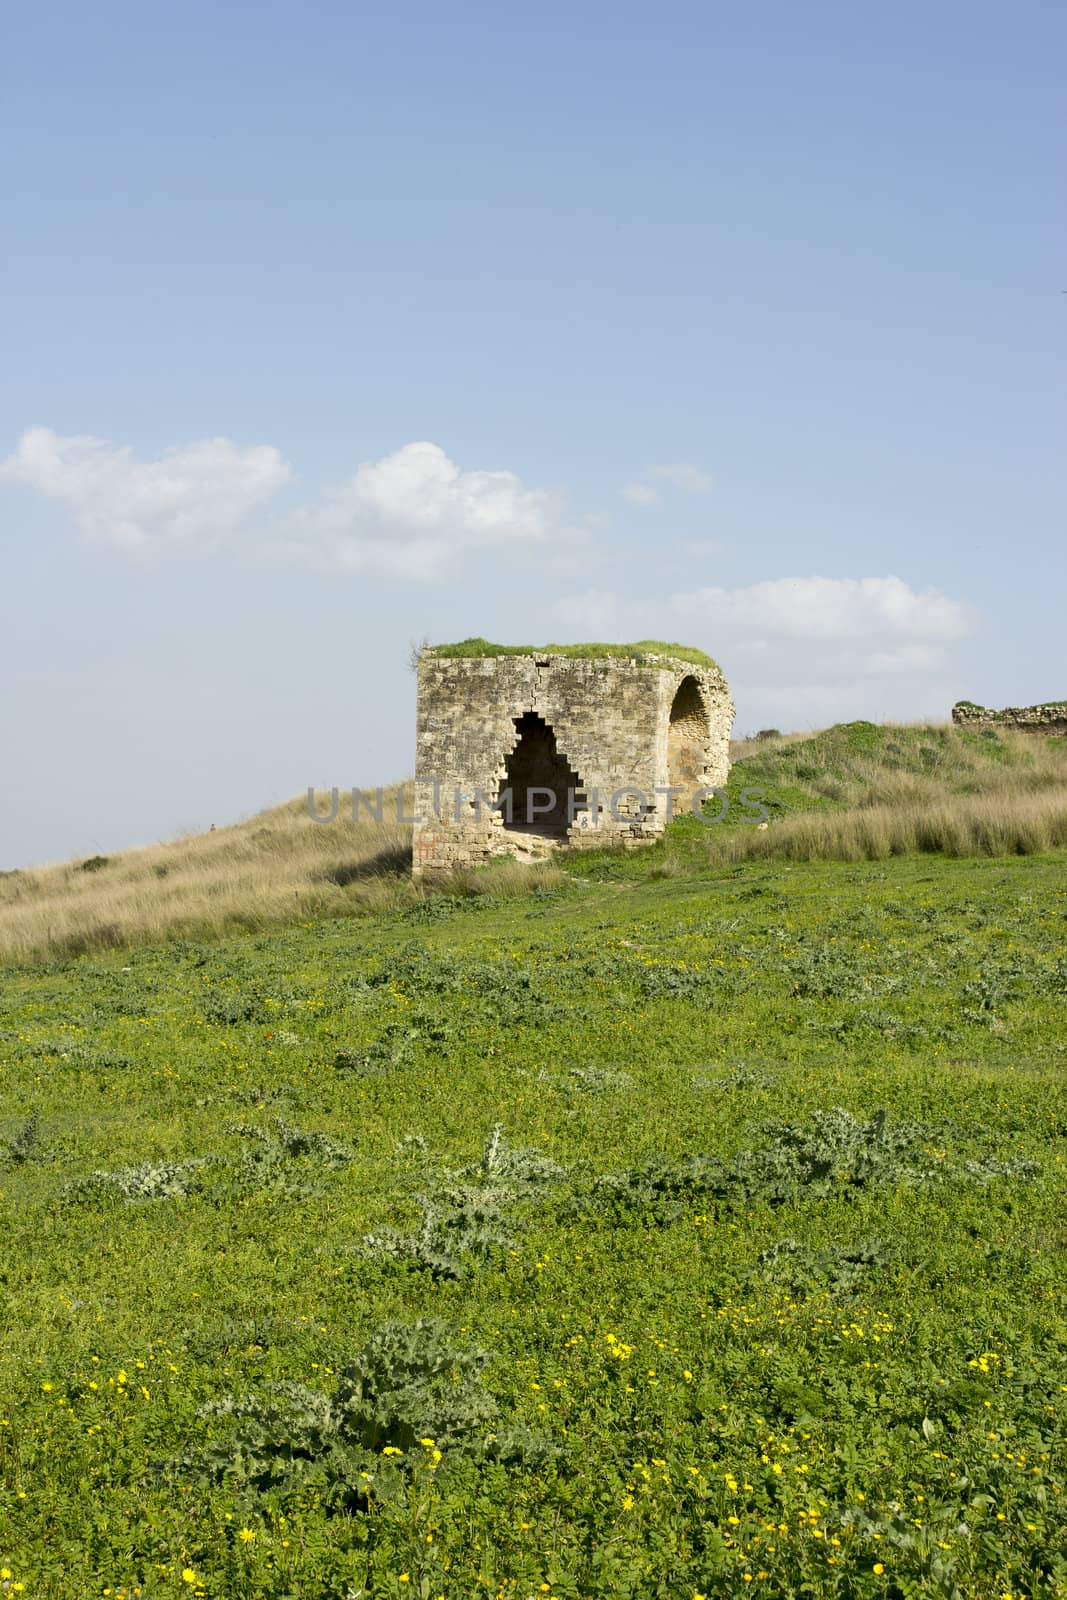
point(853, 792)
point(863, 791)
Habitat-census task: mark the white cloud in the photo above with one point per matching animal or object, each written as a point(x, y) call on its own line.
point(410, 511)
point(830, 608)
point(407, 514)
point(196, 490)
point(831, 639)
point(869, 609)
point(642, 494)
point(418, 488)
point(683, 476)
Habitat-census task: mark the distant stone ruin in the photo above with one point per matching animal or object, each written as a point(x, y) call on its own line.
point(1049, 718)
point(520, 752)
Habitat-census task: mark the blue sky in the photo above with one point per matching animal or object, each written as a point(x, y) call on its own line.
point(326, 326)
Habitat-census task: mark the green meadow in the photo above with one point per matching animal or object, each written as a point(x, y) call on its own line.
point(688, 1226)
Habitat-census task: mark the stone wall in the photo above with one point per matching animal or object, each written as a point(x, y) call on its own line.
point(1049, 718)
point(605, 723)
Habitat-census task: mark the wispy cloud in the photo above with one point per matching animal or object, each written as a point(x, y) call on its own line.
point(833, 608)
point(642, 494)
point(683, 476)
point(677, 474)
point(703, 549)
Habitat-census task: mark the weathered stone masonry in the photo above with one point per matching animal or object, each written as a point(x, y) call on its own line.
point(1050, 718)
point(579, 729)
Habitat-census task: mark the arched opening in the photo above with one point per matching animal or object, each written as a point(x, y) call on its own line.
point(687, 740)
point(536, 765)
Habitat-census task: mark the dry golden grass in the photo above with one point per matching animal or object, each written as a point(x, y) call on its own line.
point(277, 867)
point(963, 826)
point(271, 871)
point(740, 748)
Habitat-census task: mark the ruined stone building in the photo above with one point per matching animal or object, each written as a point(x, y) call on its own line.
point(1049, 718)
point(585, 747)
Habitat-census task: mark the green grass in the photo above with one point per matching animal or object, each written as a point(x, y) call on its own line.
point(725, 1337)
point(468, 649)
point(859, 763)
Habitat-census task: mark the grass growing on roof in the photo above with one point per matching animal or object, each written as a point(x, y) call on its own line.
point(641, 652)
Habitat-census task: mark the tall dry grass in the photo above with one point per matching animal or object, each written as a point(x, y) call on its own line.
point(1007, 796)
point(271, 871)
point(962, 826)
point(740, 749)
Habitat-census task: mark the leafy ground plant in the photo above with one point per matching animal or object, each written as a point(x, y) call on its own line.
point(26, 1144)
point(834, 1152)
point(470, 1213)
point(411, 1394)
point(152, 1180)
point(842, 1268)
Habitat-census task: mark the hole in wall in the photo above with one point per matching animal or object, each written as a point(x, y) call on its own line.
point(535, 764)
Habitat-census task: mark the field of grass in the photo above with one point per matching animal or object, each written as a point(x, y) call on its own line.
point(693, 1228)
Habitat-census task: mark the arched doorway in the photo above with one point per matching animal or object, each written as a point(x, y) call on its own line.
point(536, 764)
point(687, 741)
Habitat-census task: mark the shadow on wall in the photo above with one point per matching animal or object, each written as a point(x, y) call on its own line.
point(687, 738)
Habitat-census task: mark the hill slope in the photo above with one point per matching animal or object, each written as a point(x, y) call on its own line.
point(852, 792)
point(274, 869)
point(860, 791)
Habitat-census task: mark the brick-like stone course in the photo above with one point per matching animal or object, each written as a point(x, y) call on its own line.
point(611, 718)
